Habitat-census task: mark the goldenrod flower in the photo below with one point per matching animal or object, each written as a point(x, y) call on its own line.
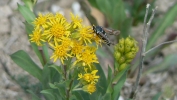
point(85, 34)
point(76, 21)
point(60, 52)
point(90, 88)
point(97, 39)
point(57, 28)
point(89, 77)
point(42, 20)
point(37, 36)
point(87, 57)
point(66, 41)
point(77, 48)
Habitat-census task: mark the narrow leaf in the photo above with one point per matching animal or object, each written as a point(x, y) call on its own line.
point(48, 93)
point(26, 13)
point(34, 96)
point(118, 87)
point(22, 59)
point(102, 85)
point(125, 30)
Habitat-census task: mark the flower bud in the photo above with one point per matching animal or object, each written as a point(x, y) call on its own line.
point(117, 55)
point(121, 60)
point(130, 55)
point(121, 48)
point(129, 41)
point(134, 48)
point(128, 61)
point(122, 66)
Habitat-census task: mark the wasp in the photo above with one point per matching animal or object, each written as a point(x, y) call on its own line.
point(101, 32)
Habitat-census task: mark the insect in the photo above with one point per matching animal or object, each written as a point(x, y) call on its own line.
point(101, 33)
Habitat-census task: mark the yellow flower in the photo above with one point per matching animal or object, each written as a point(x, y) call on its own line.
point(67, 42)
point(42, 20)
point(85, 34)
point(97, 40)
point(88, 57)
point(76, 21)
point(57, 28)
point(90, 88)
point(60, 52)
point(37, 36)
point(89, 77)
point(77, 48)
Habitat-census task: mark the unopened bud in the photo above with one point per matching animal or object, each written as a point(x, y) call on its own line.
point(117, 55)
point(122, 66)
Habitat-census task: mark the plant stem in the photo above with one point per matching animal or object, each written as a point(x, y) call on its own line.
point(143, 49)
point(159, 46)
point(43, 56)
point(68, 90)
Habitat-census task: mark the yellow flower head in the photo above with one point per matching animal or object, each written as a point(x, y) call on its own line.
point(87, 57)
point(89, 77)
point(66, 41)
point(97, 40)
point(37, 36)
point(77, 48)
point(57, 28)
point(90, 88)
point(42, 20)
point(60, 52)
point(85, 34)
point(76, 21)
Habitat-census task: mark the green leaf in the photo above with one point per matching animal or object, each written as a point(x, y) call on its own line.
point(107, 96)
point(165, 22)
point(52, 86)
point(101, 53)
point(157, 96)
point(34, 96)
point(57, 68)
point(125, 30)
point(22, 59)
point(102, 6)
point(78, 96)
point(168, 61)
point(45, 53)
point(48, 93)
point(49, 75)
point(118, 15)
point(120, 74)
point(118, 87)
point(102, 84)
point(93, 3)
point(109, 79)
point(26, 13)
point(61, 88)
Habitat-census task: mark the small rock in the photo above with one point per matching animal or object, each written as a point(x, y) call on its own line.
point(5, 11)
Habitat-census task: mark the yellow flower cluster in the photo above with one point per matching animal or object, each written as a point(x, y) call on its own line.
point(125, 51)
point(68, 40)
point(89, 80)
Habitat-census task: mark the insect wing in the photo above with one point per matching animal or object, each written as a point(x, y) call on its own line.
point(111, 31)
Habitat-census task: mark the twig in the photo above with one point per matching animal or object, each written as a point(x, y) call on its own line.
point(143, 49)
point(159, 46)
